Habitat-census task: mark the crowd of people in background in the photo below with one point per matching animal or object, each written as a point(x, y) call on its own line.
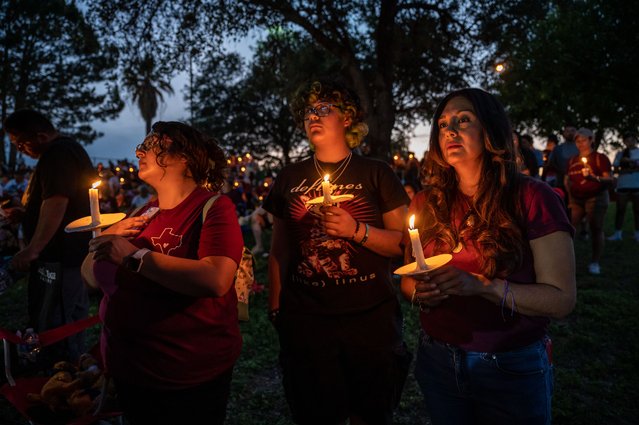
point(247, 184)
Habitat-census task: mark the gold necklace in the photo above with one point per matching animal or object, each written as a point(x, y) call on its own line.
point(339, 171)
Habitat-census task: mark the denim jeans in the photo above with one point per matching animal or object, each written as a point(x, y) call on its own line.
point(464, 387)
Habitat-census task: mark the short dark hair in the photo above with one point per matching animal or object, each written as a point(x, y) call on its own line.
point(553, 138)
point(28, 122)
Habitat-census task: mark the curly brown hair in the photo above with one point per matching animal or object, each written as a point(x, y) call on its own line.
point(205, 160)
point(496, 211)
point(338, 94)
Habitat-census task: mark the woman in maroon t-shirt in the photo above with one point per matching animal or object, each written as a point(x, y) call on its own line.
point(482, 355)
point(170, 336)
point(587, 181)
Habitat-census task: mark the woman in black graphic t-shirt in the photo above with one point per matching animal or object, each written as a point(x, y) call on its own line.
point(331, 297)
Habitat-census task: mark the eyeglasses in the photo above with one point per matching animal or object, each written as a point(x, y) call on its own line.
point(321, 111)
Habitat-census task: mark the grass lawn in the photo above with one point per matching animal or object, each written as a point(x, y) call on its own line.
point(595, 349)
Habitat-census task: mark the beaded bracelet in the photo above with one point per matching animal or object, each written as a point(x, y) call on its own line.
point(356, 230)
point(504, 298)
point(365, 238)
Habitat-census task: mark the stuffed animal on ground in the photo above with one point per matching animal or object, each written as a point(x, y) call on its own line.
point(72, 388)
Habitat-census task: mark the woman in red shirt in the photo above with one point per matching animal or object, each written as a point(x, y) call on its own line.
point(170, 336)
point(482, 356)
point(587, 181)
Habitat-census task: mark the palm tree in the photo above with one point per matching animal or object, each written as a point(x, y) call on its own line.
point(145, 85)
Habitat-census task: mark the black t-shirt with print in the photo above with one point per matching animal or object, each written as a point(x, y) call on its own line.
point(64, 169)
point(328, 275)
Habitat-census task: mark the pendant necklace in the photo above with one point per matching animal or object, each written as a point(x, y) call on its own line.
point(468, 220)
point(338, 171)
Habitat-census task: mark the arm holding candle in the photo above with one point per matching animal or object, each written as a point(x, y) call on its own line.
point(339, 223)
point(553, 295)
point(206, 277)
point(51, 215)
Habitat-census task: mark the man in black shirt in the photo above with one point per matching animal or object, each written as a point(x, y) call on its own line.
point(57, 194)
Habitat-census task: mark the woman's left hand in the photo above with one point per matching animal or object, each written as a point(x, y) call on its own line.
point(453, 281)
point(337, 222)
point(111, 248)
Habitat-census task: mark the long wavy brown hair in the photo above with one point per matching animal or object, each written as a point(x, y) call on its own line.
point(496, 213)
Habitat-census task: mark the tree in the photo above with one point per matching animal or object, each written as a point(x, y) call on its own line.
point(247, 107)
point(399, 55)
point(52, 61)
point(145, 84)
point(574, 60)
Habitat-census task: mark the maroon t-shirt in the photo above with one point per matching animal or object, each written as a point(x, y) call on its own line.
point(474, 323)
point(158, 338)
point(580, 186)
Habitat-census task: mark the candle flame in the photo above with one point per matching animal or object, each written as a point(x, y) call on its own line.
point(326, 177)
point(411, 221)
point(96, 184)
point(131, 169)
point(584, 160)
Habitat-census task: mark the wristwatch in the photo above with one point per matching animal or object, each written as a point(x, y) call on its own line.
point(134, 261)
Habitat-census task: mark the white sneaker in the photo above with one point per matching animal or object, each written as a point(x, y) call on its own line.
point(593, 268)
point(614, 237)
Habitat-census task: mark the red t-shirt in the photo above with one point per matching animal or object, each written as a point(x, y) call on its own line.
point(580, 186)
point(474, 323)
point(155, 337)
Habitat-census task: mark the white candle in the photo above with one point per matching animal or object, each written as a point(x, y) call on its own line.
point(94, 203)
point(418, 251)
point(326, 189)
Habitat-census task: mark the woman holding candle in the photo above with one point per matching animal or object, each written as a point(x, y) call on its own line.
point(482, 355)
point(331, 296)
point(587, 181)
point(170, 336)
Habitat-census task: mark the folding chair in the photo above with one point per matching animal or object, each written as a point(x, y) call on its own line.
point(16, 389)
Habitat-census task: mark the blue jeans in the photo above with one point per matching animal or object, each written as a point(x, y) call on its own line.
point(466, 387)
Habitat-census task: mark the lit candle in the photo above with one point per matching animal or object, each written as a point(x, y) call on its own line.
point(418, 251)
point(585, 170)
point(94, 202)
point(326, 189)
